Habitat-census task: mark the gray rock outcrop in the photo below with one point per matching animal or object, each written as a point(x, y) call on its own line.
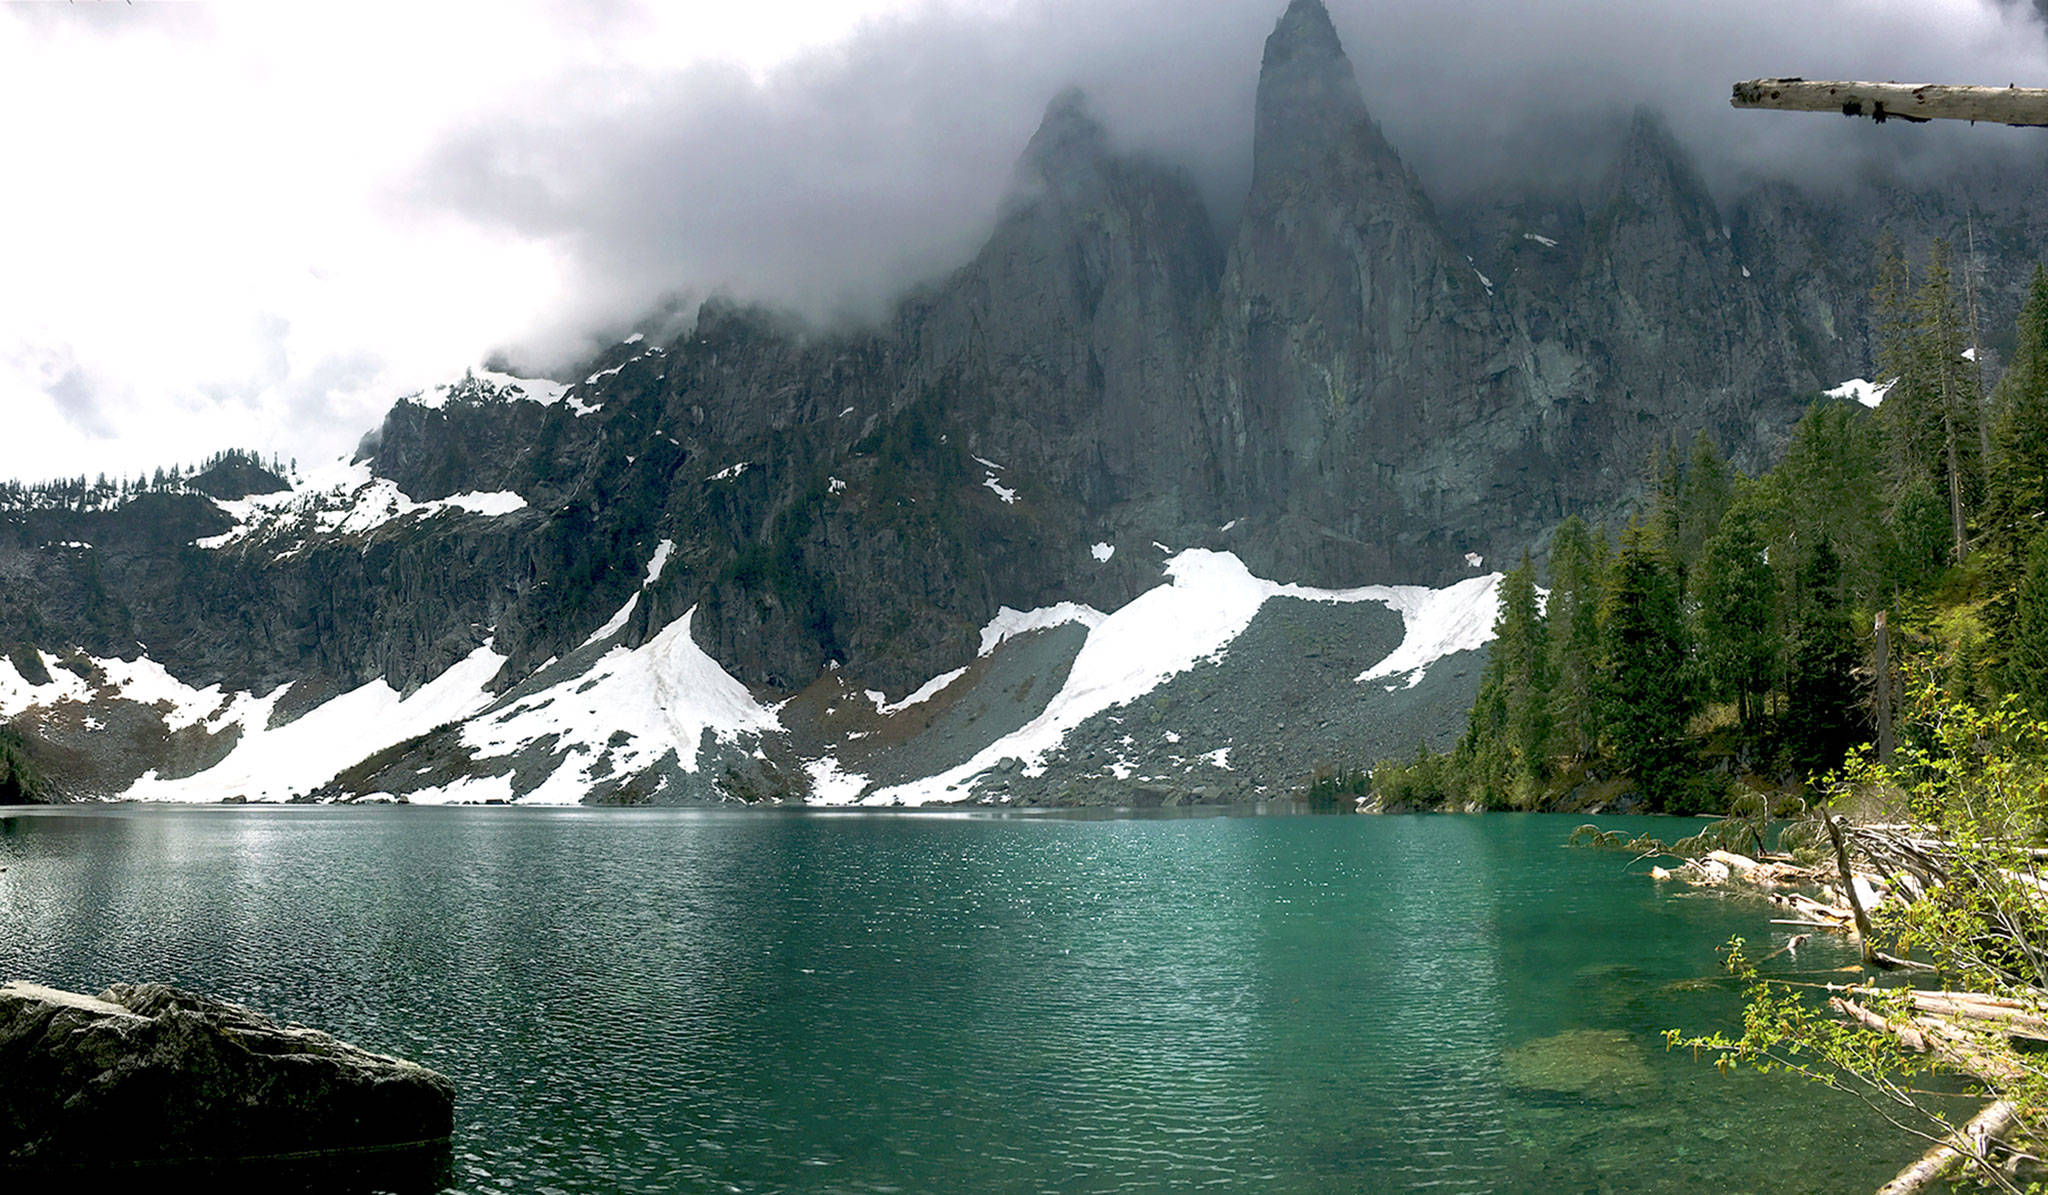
point(149, 1074)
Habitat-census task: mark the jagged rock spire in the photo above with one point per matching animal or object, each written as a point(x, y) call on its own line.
point(1065, 156)
point(1308, 94)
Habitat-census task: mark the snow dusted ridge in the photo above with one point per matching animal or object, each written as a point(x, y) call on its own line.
point(1867, 392)
point(1210, 598)
point(655, 710)
point(635, 709)
point(488, 385)
point(342, 498)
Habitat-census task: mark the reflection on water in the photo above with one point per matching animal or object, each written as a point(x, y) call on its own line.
point(758, 1001)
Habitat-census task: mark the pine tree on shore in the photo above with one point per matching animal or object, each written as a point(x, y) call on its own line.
point(1823, 716)
point(1647, 693)
point(1578, 568)
point(1737, 612)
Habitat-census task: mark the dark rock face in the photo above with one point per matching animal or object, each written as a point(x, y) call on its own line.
point(151, 1075)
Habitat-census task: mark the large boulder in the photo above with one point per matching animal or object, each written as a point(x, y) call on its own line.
point(148, 1074)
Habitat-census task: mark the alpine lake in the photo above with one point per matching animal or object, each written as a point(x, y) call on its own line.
point(767, 1000)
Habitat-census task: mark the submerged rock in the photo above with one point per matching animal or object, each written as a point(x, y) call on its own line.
point(1604, 1064)
point(148, 1074)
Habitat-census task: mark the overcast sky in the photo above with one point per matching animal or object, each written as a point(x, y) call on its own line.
point(257, 225)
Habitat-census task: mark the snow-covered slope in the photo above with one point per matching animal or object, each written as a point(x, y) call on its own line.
point(659, 711)
point(341, 498)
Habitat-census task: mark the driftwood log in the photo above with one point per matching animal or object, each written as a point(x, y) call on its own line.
point(1971, 1142)
point(1917, 102)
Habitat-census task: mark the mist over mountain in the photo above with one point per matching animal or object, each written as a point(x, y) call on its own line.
point(829, 186)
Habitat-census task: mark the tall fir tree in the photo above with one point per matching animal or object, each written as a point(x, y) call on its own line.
point(1703, 497)
point(1647, 686)
point(1524, 642)
point(1737, 611)
point(2016, 507)
point(2026, 666)
point(1823, 708)
point(1578, 572)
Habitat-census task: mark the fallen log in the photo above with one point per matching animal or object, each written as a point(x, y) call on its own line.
point(1972, 1142)
point(1928, 1035)
point(1871, 954)
point(1915, 102)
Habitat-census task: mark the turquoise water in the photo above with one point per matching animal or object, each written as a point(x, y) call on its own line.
point(767, 1001)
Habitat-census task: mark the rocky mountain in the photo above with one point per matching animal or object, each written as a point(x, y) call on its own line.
point(1087, 506)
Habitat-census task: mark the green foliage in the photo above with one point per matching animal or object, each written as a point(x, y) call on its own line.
point(1972, 784)
point(1337, 791)
point(2027, 648)
point(1822, 703)
point(1578, 569)
point(20, 781)
point(1729, 636)
point(1645, 687)
point(1736, 610)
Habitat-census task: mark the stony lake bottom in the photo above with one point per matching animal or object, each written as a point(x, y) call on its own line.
point(772, 1000)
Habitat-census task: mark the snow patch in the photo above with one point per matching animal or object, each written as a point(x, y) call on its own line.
point(342, 498)
point(1208, 600)
point(925, 692)
point(1008, 495)
point(485, 385)
point(1101, 551)
point(1474, 560)
point(1864, 391)
point(1008, 623)
point(662, 551)
point(278, 763)
point(1219, 758)
point(1436, 623)
point(832, 784)
point(615, 623)
point(730, 471)
point(1544, 241)
point(661, 699)
point(834, 486)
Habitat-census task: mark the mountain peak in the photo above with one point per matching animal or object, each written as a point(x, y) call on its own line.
point(1064, 154)
point(1304, 30)
point(1308, 95)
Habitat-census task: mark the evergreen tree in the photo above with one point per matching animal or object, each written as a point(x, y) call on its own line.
point(2027, 646)
point(1646, 685)
point(2016, 507)
point(1504, 754)
point(1578, 570)
point(1823, 714)
point(1737, 611)
point(1522, 643)
point(1703, 497)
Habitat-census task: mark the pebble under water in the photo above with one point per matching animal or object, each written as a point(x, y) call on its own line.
point(770, 1000)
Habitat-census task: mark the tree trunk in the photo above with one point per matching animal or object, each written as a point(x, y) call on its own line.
point(1907, 101)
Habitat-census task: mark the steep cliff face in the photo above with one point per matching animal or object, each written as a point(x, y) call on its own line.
point(1350, 385)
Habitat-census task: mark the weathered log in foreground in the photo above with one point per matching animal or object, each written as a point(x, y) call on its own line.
point(149, 1075)
point(2027, 106)
point(1971, 1142)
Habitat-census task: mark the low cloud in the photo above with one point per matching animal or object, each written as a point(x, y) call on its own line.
point(262, 224)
